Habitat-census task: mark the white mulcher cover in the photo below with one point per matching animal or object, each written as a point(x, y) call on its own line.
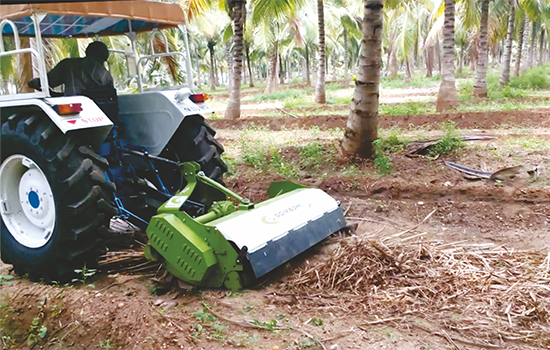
point(27, 204)
point(274, 220)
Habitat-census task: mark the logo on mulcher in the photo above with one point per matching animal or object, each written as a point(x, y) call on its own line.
point(275, 217)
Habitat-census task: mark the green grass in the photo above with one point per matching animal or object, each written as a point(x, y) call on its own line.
point(534, 144)
point(282, 94)
point(417, 80)
point(534, 78)
point(449, 143)
point(407, 108)
point(288, 153)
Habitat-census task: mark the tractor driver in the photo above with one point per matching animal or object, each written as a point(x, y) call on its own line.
point(81, 74)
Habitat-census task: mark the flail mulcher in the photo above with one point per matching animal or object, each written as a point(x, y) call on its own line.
point(237, 241)
point(71, 163)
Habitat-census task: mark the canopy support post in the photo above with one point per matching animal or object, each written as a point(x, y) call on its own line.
point(37, 18)
point(189, 67)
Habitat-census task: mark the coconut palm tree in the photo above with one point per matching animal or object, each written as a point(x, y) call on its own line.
point(320, 96)
point(362, 125)
point(505, 75)
point(273, 21)
point(237, 13)
point(446, 98)
point(480, 85)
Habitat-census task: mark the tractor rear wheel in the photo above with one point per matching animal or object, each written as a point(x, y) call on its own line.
point(54, 197)
point(194, 141)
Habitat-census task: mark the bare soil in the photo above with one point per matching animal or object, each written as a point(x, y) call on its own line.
point(148, 311)
point(534, 118)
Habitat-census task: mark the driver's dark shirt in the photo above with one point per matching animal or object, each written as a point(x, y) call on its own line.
point(77, 74)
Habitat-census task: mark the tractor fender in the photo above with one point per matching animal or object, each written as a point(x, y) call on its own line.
point(90, 117)
point(151, 118)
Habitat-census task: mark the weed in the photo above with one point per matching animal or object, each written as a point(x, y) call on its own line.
point(84, 273)
point(269, 325)
point(449, 143)
point(351, 171)
point(316, 321)
point(105, 344)
point(312, 155)
point(248, 308)
point(382, 162)
point(197, 330)
point(158, 290)
point(390, 335)
point(218, 333)
point(6, 280)
point(242, 338)
point(281, 316)
point(306, 343)
point(204, 316)
point(37, 332)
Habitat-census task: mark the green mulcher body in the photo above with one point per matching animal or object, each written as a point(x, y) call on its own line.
point(238, 241)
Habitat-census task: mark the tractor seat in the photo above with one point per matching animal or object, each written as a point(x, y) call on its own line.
point(106, 99)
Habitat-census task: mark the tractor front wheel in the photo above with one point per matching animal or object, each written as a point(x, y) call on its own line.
point(54, 197)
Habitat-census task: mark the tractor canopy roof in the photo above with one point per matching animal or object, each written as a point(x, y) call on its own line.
point(84, 19)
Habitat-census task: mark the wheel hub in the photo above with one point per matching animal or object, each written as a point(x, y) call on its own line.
point(27, 201)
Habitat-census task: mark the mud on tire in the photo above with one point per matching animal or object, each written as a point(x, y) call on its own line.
point(82, 197)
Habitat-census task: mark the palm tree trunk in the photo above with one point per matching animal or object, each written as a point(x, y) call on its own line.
point(446, 98)
point(521, 36)
point(308, 74)
point(505, 75)
point(281, 71)
point(273, 71)
point(541, 48)
point(525, 50)
point(438, 54)
point(229, 58)
point(238, 12)
point(407, 78)
point(320, 96)
point(362, 125)
point(289, 69)
point(393, 63)
point(480, 85)
point(345, 82)
point(212, 78)
point(533, 46)
point(460, 59)
point(249, 67)
point(314, 67)
point(198, 63)
point(429, 61)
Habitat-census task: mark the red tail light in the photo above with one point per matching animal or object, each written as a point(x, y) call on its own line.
point(71, 108)
point(199, 97)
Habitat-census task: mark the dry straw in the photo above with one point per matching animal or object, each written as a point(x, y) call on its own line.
point(484, 296)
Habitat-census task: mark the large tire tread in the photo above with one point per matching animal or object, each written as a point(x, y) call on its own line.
point(76, 175)
point(194, 141)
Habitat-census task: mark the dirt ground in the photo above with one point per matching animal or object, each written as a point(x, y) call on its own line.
point(118, 310)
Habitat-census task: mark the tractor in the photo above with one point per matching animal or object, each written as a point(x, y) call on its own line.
point(71, 163)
